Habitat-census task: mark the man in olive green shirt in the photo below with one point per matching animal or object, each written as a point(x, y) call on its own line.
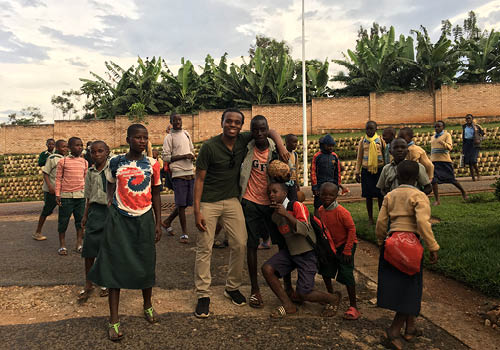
point(216, 193)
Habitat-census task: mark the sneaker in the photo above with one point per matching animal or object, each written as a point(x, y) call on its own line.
point(236, 297)
point(37, 236)
point(202, 308)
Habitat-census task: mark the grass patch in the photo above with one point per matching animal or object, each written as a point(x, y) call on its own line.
point(469, 236)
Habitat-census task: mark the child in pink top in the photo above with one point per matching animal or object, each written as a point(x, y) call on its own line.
point(69, 191)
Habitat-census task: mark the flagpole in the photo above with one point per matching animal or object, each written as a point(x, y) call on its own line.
point(304, 105)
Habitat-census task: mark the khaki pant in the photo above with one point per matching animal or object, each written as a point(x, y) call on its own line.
point(233, 222)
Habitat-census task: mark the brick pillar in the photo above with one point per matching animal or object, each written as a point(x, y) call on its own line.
point(3, 142)
point(372, 111)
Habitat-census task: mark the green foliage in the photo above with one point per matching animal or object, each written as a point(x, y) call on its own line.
point(27, 116)
point(496, 186)
point(136, 112)
point(378, 63)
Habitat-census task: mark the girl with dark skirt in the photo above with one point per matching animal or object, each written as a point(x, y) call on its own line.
point(369, 164)
point(472, 136)
point(441, 146)
point(407, 210)
point(127, 255)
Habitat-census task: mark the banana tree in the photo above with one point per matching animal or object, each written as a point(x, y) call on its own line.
point(482, 59)
point(283, 82)
point(438, 63)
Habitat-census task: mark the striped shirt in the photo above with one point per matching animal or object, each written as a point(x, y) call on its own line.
point(70, 177)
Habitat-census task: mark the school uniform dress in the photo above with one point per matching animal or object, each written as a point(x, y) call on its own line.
point(471, 142)
point(369, 179)
point(95, 193)
point(441, 145)
point(127, 256)
point(407, 209)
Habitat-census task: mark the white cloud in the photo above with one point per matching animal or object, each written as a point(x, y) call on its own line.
point(67, 39)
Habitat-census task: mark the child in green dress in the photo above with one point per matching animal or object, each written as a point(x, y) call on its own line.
point(127, 255)
point(96, 211)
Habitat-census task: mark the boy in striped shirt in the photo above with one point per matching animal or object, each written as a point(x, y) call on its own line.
point(70, 183)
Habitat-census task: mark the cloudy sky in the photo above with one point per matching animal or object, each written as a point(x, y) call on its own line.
point(47, 45)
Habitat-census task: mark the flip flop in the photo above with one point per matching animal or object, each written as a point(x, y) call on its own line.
point(151, 315)
point(114, 333)
point(352, 314)
point(169, 230)
point(280, 312)
point(62, 251)
point(84, 295)
point(392, 342)
point(79, 249)
point(256, 301)
point(409, 336)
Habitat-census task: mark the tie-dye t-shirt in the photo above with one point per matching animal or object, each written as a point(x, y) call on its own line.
point(134, 179)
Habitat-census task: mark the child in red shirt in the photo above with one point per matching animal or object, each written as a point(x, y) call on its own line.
point(340, 226)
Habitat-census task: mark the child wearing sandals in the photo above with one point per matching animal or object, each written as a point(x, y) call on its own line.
point(96, 212)
point(127, 255)
point(70, 183)
point(292, 219)
point(406, 209)
point(340, 225)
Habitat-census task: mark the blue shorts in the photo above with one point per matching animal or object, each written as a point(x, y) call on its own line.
point(283, 263)
point(183, 192)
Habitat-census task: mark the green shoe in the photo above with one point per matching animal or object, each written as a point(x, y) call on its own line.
point(114, 333)
point(151, 315)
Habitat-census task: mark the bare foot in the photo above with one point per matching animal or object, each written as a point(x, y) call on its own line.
point(436, 203)
point(370, 221)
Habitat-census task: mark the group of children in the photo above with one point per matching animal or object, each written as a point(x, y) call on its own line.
point(117, 202)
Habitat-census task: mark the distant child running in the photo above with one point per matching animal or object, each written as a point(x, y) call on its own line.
point(415, 152)
point(325, 167)
point(96, 212)
point(370, 162)
point(127, 256)
point(42, 158)
point(441, 146)
point(178, 152)
point(293, 186)
point(407, 210)
point(70, 184)
point(340, 225)
point(292, 219)
point(49, 182)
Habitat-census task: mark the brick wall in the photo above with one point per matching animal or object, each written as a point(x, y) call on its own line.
point(477, 99)
point(284, 118)
point(325, 113)
point(339, 113)
point(404, 107)
point(24, 139)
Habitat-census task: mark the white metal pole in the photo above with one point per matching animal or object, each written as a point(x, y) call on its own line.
point(304, 104)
